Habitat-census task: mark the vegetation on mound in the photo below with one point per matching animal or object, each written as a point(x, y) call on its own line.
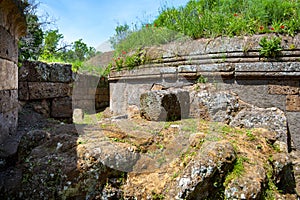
point(208, 19)
point(202, 18)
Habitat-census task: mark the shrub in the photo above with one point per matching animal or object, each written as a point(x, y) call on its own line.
point(270, 48)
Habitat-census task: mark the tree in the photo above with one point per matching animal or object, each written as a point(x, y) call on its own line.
point(51, 44)
point(82, 51)
point(122, 32)
point(30, 46)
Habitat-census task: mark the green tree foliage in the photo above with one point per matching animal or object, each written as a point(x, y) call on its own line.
point(122, 32)
point(51, 42)
point(48, 45)
point(30, 46)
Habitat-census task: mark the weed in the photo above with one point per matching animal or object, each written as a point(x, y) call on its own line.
point(270, 48)
point(157, 196)
point(161, 160)
point(276, 147)
point(175, 175)
point(190, 125)
point(237, 171)
point(118, 140)
point(226, 129)
point(250, 135)
point(269, 193)
point(160, 146)
point(292, 47)
point(201, 79)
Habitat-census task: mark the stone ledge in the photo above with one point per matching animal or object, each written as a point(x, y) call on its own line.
point(268, 67)
point(239, 70)
point(8, 100)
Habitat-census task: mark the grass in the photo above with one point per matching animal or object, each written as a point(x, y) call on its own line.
point(91, 118)
point(237, 171)
point(208, 19)
point(232, 17)
point(79, 66)
point(148, 35)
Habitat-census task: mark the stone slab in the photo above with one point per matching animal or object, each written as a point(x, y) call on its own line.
point(162, 105)
point(23, 91)
point(293, 103)
point(42, 72)
point(62, 108)
point(8, 46)
point(8, 75)
point(8, 100)
point(45, 90)
point(8, 137)
point(284, 87)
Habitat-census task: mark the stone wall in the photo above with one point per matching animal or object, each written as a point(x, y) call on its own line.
point(47, 88)
point(12, 26)
point(54, 90)
point(232, 64)
point(90, 93)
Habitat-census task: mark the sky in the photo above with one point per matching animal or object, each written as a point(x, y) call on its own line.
point(94, 21)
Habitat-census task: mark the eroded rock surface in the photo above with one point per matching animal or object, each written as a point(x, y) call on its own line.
point(133, 158)
point(206, 171)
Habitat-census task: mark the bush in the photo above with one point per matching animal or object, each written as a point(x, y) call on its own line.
point(270, 48)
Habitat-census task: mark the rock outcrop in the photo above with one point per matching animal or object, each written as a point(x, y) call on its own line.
point(238, 154)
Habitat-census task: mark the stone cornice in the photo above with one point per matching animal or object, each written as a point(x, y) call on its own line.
point(223, 56)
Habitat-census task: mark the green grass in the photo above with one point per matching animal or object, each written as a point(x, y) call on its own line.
point(211, 18)
point(237, 171)
point(147, 36)
point(79, 66)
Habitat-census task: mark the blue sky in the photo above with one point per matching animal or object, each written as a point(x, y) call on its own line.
point(94, 21)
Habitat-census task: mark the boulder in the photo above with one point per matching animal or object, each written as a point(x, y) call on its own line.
point(206, 170)
point(217, 106)
point(165, 105)
point(272, 119)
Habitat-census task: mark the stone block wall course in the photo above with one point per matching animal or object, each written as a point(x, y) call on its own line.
point(90, 93)
point(47, 88)
point(54, 90)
